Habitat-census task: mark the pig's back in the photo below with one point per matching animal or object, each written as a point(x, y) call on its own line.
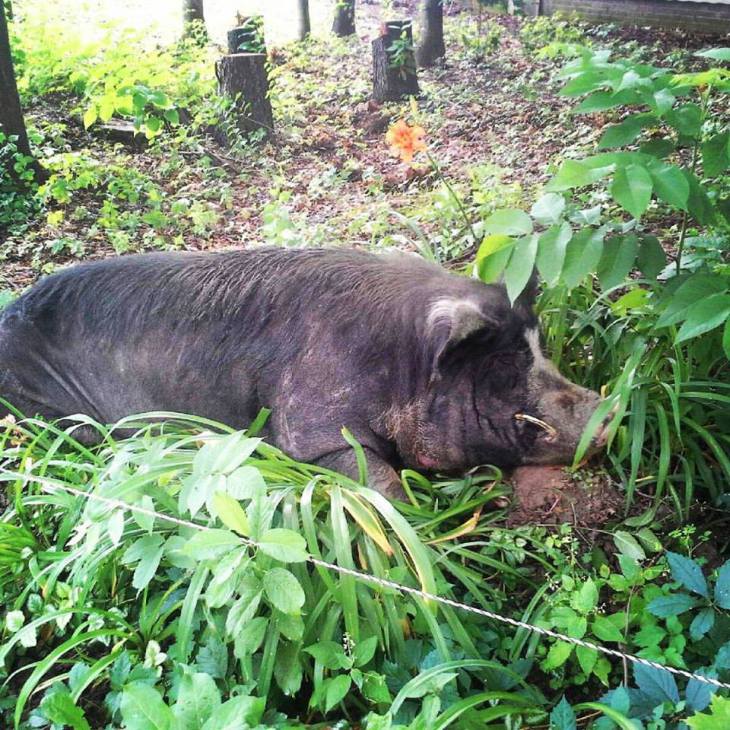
point(202, 333)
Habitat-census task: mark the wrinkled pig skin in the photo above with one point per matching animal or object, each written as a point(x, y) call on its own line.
point(427, 369)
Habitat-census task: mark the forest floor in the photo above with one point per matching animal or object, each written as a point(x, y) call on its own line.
point(494, 122)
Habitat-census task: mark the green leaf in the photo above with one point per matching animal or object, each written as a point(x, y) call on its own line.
point(716, 154)
point(694, 289)
point(245, 606)
point(576, 174)
point(562, 717)
point(670, 185)
point(520, 266)
point(699, 203)
point(671, 605)
point(231, 513)
point(585, 599)
point(726, 339)
point(658, 147)
point(719, 717)
point(152, 125)
point(649, 540)
point(652, 258)
point(172, 116)
point(628, 545)
point(631, 189)
point(686, 119)
point(508, 222)
point(492, 256)
point(329, 654)
point(617, 260)
point(292, 627)
point(686, 572)
point(288, 669)
point(60, 709)
point(148, 551)
point(142, 708)
point(620, 135)
point(558, 654)
point(606, 630)
point(551, 252)
point(197, 699)
point(600, 101)
point(364, 651)
point(107, 107)
point(722, 586)
point(239, 713)
point(661, 102)
point(702, 623)
point(704, 316)
point(284, 545)
point(90, 116)
point(222, 585)
point(375, 689)
point(212, 544)
point(582, 255)
point(283, 591)
point(586, 658)
point(698, 694)
point(548, 209)
point(656, 684)
point(248, 640)
point(716, 54)
point(224, 454)
point(337, 689)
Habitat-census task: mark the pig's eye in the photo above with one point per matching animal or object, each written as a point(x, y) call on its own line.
point(503, 373)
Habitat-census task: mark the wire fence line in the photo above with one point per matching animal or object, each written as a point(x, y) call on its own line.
point(403, 589)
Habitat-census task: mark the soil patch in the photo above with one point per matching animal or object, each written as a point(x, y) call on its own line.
point(551, 495)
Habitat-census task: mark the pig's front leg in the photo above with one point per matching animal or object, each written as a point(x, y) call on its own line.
point(381, 476)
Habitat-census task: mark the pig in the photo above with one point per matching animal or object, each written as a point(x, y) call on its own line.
point(429, 370)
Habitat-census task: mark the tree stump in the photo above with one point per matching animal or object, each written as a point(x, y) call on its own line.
point(394, 62)
point(243, 78)
point(344, 23)
point(248, 37)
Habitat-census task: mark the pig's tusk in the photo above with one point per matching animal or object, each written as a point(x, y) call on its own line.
point(552, 432)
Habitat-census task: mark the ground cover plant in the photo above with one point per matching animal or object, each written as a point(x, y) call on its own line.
point(189, 599)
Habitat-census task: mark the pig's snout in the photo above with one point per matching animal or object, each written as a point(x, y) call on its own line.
point(562, 415)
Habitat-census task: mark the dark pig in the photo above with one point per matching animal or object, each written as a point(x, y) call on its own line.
point(429, 370)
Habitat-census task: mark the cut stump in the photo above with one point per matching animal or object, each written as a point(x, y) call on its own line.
point(243, 78)
point(344, 22)
point(248, 37)
point(394, 62)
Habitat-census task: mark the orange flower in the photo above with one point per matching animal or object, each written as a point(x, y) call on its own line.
point(405, 141)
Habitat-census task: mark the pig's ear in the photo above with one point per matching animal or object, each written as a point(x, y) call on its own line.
point(453, 324)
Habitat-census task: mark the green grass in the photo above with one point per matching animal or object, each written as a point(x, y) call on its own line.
point(102, 601)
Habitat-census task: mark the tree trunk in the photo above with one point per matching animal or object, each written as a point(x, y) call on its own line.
point(11, 115)
point(243, 77)
point(248, 37)
point(193, 16)
point(394, 64)
point(432, 45)
point(305, 25)
point(344, 24)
